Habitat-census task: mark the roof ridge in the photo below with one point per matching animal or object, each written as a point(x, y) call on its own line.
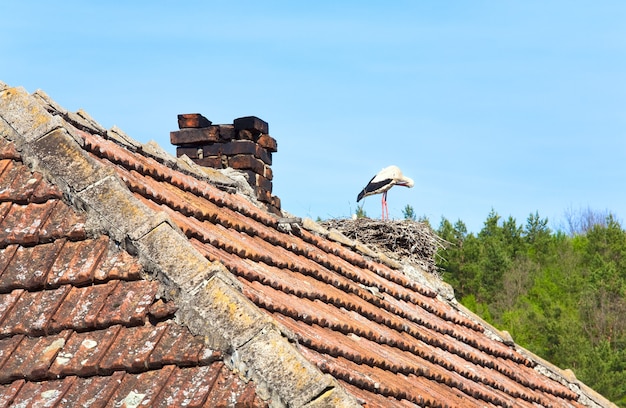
point(239, 328)
point(229, 180)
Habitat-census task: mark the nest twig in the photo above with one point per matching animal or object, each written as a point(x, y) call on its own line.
point(403, 239)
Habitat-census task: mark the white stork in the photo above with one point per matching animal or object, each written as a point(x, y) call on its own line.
point(382, 182)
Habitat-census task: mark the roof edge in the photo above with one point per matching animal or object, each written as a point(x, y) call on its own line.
point(205, 292)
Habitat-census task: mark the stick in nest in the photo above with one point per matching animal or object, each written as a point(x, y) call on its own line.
point(412, 240)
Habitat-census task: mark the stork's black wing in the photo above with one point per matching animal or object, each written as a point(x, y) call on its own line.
point(374, 187)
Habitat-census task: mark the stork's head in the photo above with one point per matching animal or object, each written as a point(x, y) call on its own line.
point(405, 182)
point(399, 178)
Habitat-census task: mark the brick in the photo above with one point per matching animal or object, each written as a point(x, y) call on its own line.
point(263, 195)
point(258, 180)
point(247, 162)
point(245, 134)
point(195, 136)
point(192, 120)
point(251, 123)
point(230, 148)
point(263, 154)
point(267, 173)
point(214, 162)
point(227, 132)
point(191, 152)
point(268, 142)
point(276, 202)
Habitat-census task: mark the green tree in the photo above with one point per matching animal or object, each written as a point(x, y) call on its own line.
point(408, 213)
point(561, 295)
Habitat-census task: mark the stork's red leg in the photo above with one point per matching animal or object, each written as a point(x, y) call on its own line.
point(385, 214)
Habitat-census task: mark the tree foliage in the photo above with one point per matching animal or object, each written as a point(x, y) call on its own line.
point(560, 294)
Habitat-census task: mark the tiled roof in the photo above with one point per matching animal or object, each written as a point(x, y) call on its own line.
point(302, 317)
point(79, 325)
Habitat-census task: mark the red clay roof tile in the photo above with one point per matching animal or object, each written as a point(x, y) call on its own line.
point(83, 353)
point(131, 348)
point(27, 267)
point(178, 346)
point(9, 151)
point(21, 224)
point(30, 313)
point(81, 307)
point(32, 357)
point(93, 391)
point(46, 394)
point(77, 262)
point(18, 182)
point(128, 303)
point(62, 223)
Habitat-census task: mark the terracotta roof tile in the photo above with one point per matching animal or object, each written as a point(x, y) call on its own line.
point(8, 151)
point(128, 303)
point(18, 182)
point(8, 346)
point(7, 302)
point(83, 353)
point(118, 265)
point(93, 391)
point(27, 267)
point(81, 307)
point(131, 348)
point(46, 394)
point(177, 345)
point(62, 223)
point(77, 261)
point(20, 218)
point(32, 357)
point(31, 311)
point(9, 391)
point(162, 310)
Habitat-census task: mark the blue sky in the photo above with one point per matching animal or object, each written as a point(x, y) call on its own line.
point(515, 106)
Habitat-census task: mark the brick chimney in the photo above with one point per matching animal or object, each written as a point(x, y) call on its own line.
point(245, 145)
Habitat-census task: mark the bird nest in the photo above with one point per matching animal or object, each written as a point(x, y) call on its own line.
point(401, 239)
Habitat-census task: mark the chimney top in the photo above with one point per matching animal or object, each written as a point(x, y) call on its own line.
point(244, 145)
point(192, 120)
